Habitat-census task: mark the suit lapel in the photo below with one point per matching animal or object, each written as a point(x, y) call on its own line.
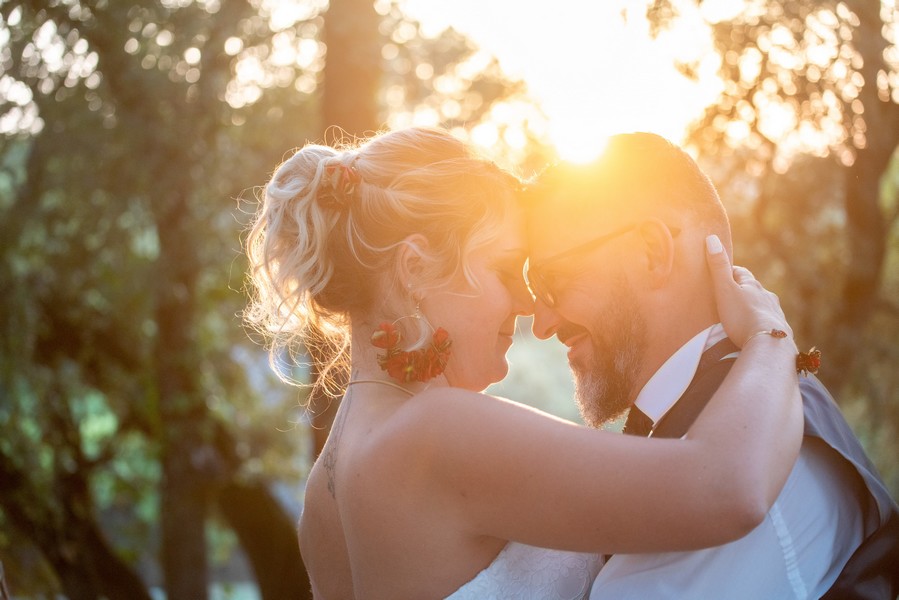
point(713, 368)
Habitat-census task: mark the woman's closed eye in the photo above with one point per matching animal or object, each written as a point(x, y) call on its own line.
point(510, 274)
point(510, 277)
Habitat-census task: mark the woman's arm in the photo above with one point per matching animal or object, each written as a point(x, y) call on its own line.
point(754, 377)
point(508, 471)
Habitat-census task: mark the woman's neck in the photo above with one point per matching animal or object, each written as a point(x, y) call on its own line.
point(364, 361)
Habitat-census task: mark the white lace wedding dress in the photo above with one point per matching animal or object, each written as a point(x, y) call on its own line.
point(523, 572)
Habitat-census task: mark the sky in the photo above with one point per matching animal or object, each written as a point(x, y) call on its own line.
point(591, 64)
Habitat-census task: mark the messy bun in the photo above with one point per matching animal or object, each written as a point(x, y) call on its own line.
point(323, 242)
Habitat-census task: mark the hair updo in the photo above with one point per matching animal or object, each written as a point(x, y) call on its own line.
point(323, 243)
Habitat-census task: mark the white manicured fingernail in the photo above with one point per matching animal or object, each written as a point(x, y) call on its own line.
point(713, 244)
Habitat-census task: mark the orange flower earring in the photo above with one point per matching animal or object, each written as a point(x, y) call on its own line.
point(407, 366)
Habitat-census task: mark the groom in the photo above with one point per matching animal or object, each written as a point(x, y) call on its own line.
point(619, 274)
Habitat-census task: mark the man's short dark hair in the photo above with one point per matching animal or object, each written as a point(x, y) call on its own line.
point(636, 172)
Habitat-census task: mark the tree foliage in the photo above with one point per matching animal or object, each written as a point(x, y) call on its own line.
point(803, 138)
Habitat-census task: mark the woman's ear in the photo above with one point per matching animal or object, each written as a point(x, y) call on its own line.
point(658, 243)
point(410, 260)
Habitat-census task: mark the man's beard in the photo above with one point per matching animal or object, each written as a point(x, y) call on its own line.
point(605, 386)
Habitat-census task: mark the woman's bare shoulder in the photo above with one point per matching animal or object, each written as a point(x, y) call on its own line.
point(322, 544)
point(442, 422)
point(460, 406)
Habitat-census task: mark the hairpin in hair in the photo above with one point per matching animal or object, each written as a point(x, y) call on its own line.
point(339, 184)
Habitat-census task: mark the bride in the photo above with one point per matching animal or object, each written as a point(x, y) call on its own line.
point(405, 253)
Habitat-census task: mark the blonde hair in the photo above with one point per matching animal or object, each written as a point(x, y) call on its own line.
point(317, 256)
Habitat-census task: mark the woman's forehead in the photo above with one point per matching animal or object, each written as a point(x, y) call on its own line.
point(512, 235)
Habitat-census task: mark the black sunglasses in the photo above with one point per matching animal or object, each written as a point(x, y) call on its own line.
point(540, 283)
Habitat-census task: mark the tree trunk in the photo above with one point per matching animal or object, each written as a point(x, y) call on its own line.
point(70, 539)
point(267, 535)
point(352, 73)
point(182, 519)
point(97, 572)
point(183, 413)
point(865, 221)
point(352, 78)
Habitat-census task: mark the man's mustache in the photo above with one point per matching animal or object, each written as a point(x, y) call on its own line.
point(566, 331)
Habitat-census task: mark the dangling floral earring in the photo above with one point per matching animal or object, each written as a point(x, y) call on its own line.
point(407, 366)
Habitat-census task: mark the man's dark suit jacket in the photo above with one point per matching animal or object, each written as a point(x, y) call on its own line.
point(872, 572)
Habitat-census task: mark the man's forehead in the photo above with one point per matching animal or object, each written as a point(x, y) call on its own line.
point(567, 216)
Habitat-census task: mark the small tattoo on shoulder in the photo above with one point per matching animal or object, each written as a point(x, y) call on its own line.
point(329, 458)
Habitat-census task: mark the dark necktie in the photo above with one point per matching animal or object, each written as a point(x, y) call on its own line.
point(637, 423)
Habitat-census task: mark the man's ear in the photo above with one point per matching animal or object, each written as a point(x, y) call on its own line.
point(410, 260)
point(658, 244)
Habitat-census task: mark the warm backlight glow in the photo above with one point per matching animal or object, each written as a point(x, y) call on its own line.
point(592, 66)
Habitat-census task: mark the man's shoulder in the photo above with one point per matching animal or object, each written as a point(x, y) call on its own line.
point(823, 417)
point(812, 388)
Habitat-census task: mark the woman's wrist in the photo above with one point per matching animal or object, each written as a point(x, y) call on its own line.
point(774, 332)
point(806, 362)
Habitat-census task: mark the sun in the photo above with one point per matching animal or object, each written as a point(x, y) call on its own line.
point(592, 67)
point(573, 144)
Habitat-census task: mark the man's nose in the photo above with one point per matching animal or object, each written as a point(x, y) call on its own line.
point(546, 321)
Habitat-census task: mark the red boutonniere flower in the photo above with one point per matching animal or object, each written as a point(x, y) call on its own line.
point(808, 362)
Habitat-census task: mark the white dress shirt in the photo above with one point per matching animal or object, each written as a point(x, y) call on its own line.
point(796, 552)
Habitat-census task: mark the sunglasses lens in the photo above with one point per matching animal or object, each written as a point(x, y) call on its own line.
point(548, 299)
point(539, 289)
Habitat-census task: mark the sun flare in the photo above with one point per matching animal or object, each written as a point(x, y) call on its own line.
point(592, 67)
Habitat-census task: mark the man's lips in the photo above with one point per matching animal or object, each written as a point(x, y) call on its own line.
point(572, 340)
point(570, 334)
point(575, 346)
